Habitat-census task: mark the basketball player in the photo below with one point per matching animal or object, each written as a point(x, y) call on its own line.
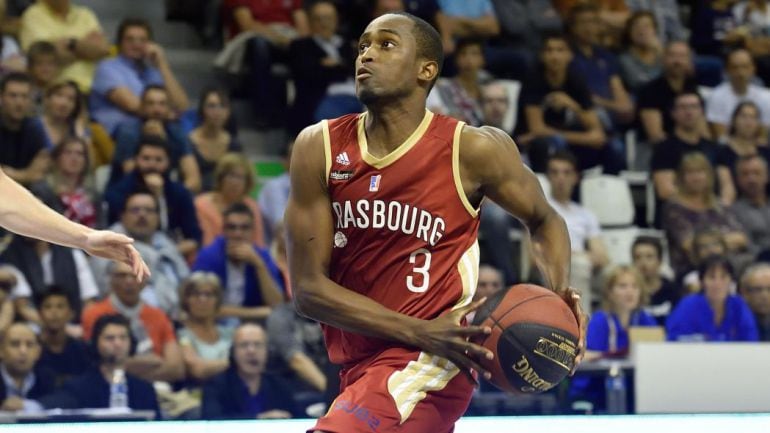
point(22, 213)
point(382, 224)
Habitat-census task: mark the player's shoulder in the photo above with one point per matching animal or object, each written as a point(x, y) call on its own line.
point(478, 144)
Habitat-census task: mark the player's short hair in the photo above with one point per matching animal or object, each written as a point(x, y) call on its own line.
point(428, 39)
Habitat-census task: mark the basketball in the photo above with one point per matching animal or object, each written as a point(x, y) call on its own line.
point(534, 338)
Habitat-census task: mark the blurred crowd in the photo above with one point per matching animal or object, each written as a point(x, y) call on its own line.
point(100, 128)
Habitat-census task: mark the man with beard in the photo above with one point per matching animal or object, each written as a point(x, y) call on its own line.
point(154, 119)
point(176, 209)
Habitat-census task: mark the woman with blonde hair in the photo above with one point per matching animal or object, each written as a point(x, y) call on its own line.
point(622, 300)
point(205, 344)
point(233, 181)
point(694, 206)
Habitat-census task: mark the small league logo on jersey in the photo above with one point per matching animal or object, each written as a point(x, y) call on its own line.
point(374, 183)
point(343, 159)
point(341, 174)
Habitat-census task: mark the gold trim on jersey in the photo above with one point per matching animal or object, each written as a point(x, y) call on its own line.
point(456, 170)
point(397, 152)
point(468, 267)
point(327, 147)
point(410, 386)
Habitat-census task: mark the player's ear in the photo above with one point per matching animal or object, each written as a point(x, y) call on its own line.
point(428, 70)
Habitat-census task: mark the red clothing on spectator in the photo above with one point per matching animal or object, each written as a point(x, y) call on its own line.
point(156, 324)
point(78, 207)
point(264, 11)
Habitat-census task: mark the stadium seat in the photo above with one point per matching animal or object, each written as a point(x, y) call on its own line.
point(609, 198)
point(619, 241)
point(101, 177)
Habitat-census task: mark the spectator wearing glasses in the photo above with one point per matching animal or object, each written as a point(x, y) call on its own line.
point(205, 344)
point(755, 289)
point(168, 267)
point(151, 173)
point(249, 276)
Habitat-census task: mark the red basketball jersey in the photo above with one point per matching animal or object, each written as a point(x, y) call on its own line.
point(405, 233)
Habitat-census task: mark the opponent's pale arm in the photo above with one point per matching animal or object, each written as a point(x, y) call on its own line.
point(23, 213)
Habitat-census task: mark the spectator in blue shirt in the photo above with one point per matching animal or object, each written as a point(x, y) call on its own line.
point(244, 390)
point(599, 67)
point(250, 278)
point(177, 212)
point(469, 19)
point(622, 300)
point(120, 81)
point(713, 314)
point(607, 334)
point(155, 113)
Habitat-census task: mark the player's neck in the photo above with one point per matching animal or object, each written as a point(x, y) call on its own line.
point(389, 125)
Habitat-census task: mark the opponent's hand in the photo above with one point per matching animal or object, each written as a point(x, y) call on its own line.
point(572, 297)
point(446, 337)
point(115, 246)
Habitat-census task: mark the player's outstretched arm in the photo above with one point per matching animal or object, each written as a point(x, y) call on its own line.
point(23, 213)
point(490, 164)
point(309, 231)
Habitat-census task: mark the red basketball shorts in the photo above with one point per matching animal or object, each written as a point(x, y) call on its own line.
point(399, 391)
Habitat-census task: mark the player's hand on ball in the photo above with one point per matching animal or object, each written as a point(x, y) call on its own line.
point(446, 337)
point(572, 297)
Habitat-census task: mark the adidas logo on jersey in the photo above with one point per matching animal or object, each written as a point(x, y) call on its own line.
point(343, 159)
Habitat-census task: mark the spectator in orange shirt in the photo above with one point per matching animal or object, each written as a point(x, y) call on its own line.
point(158, 356)
point(233, 181)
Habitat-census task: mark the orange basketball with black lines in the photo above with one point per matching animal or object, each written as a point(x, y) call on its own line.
point(534, 338)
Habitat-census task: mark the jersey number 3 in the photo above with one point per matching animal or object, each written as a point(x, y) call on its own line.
point(424, 276)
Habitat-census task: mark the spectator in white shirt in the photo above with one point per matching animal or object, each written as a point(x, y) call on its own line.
point(739, 87)
point(589, 254)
